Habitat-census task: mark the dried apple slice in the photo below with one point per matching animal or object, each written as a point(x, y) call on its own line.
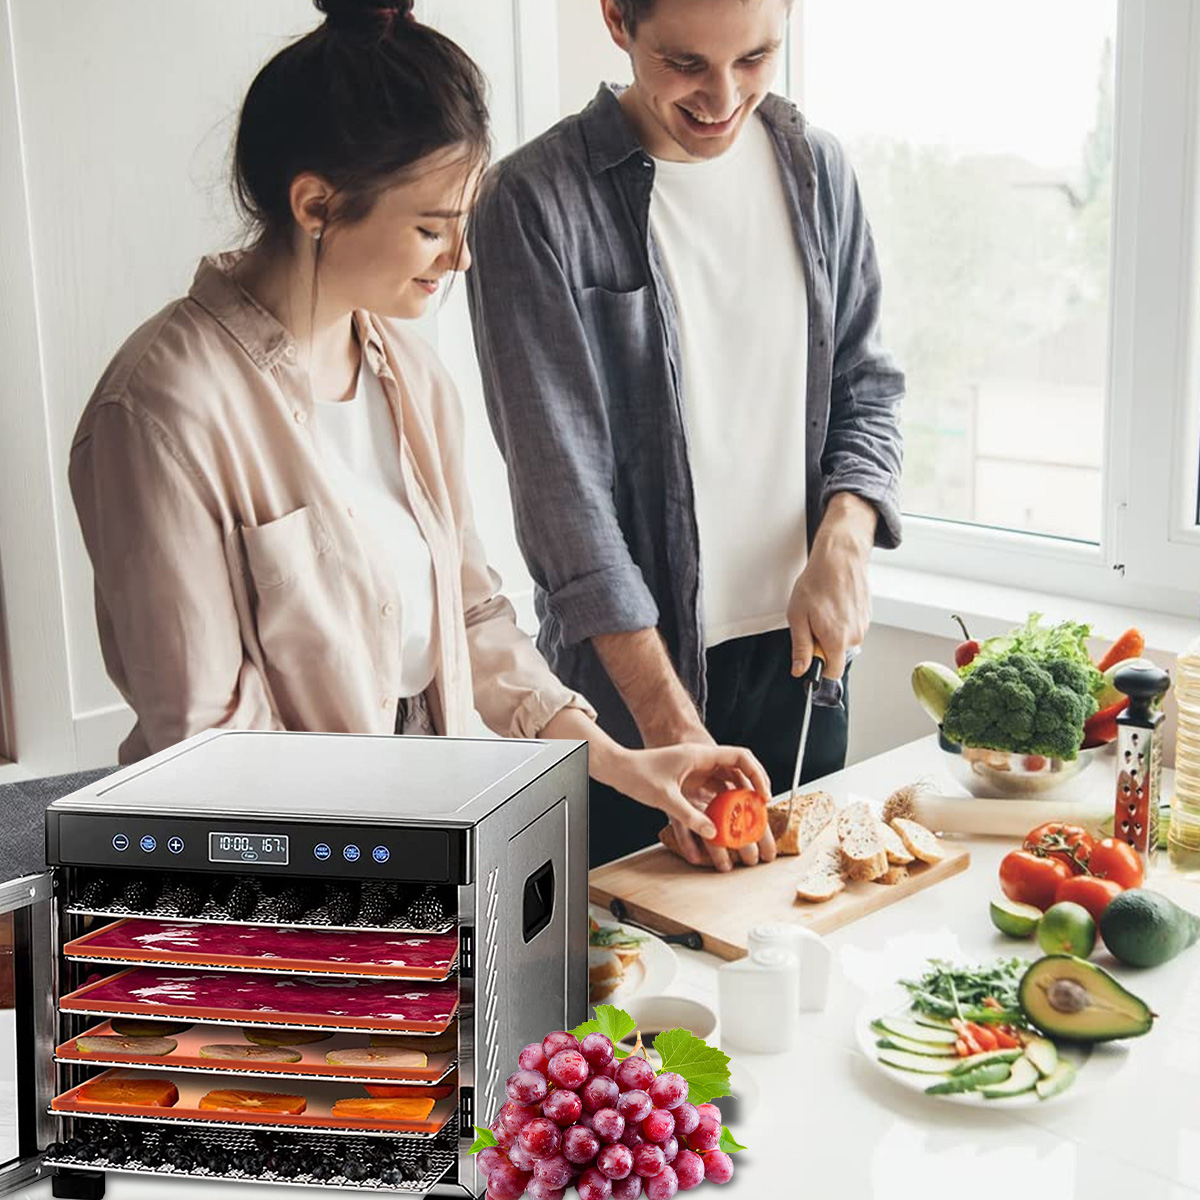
point(234, 1050)
point(390, 1057)
point(151, 1047)
point(285, 1037)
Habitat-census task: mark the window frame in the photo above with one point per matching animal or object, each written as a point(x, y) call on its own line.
point(1149, 550)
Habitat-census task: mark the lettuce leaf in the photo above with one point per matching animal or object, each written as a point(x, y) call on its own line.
point(1067, 639)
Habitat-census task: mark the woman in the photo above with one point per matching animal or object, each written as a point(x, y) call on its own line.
point(269, 475)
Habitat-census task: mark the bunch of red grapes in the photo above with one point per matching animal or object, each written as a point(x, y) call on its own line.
point(575, 1115)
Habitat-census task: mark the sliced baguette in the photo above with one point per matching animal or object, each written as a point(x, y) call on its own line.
point(898, 854)
point(810, 816)
point(854, 816)
point(893, 875)
point(823, 879)
point(918, 840)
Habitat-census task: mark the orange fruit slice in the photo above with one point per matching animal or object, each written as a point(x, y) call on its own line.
point(386, 1109)
point(233, 1099)
point(150, 1093)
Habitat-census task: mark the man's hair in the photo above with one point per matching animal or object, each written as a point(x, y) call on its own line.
point(633, 11)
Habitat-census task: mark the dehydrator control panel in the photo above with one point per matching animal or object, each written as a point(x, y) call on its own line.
point(317, 850)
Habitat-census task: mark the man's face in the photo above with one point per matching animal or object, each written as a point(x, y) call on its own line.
point(700, 69)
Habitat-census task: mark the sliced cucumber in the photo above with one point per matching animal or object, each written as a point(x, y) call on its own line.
point(901, 1027)
point(968, 1081)
point(893, 1041)
point(1043, 1054)
point(921, 1064)
point(984, 1059)
point(1024, 1078)
point(1059, 1081)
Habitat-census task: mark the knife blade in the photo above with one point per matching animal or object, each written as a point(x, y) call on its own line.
point(823, 693)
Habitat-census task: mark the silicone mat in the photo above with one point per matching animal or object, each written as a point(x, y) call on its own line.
point(317, 1114)
point(313, 1060)
point(266, 948)
point(395, 1007)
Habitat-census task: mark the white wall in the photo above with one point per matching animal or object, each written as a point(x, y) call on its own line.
point(587, 55)
point(115, 130)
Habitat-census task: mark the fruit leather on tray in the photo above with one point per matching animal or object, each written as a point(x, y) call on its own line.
point(274, 998)
point(266, 947)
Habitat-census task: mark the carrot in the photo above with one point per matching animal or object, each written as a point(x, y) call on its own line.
point(1129, 645)
point(960, 1048)
point(1004, 1039)
point(963, 1029)
point(992, 1002)
point(1101, 727)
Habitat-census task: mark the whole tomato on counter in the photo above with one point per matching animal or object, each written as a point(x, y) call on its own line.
point(1030, 878)
point(1070, 844)
point(1118, 861)
point(1090, 892)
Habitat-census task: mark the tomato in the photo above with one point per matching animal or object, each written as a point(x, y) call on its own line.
point(1064, 842)
point(1118, 861)
point(1090, 891)
point(740, 816)
point(1030, 878)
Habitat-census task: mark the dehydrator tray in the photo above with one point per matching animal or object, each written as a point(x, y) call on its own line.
point(361, 954)
point(406, 1165)
point(284, 1000)
point(319, 1099)
point(305, 1061)
point(390, 908)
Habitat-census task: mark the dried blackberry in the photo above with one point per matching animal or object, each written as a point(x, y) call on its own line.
point(341, 903)
point(189, 898)
point(97, 891)
point(295, 901)
point(426, 911)
point(243, 899)
point(141, 893)
point(376, 905)
point(392, 1177)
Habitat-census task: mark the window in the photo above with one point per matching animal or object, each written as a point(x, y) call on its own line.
point(1030, 176)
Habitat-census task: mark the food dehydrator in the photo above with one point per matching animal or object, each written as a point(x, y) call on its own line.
point(293, 958)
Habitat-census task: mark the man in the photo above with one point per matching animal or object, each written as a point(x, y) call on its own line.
point(676, 304)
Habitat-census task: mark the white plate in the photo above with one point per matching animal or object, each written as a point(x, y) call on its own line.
point(1095, 1065)
point(652, 973)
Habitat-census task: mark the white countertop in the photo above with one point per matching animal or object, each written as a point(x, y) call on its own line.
point(821, 1123)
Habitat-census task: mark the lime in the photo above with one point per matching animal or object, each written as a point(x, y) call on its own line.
point(1016, 920)
point(1067, 928)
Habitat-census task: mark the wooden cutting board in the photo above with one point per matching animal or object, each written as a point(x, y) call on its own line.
point(660, 890)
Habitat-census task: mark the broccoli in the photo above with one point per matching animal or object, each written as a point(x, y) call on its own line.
point(1015, 704)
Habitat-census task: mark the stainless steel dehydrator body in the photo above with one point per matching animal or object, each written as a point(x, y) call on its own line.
point(489, 835)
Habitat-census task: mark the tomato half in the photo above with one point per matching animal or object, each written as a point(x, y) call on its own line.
point(1090, 892)
point(740, 816)
point(1118, 861)
point(1030, 878)
point(1064, 842)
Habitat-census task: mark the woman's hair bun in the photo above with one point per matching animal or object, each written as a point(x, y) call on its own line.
point(365, 14)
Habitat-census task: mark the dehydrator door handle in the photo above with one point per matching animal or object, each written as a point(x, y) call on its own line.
point(26, 1028)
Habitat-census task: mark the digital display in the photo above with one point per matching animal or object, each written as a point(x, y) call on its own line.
point(248, 847)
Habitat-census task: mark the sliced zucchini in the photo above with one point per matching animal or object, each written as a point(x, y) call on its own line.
point(969, 1081)
point(893, 1041)
point(921, 1064)
point(901, 1027)
point(979, 1060)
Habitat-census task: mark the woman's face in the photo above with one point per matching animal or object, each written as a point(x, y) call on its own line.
point(395, 260)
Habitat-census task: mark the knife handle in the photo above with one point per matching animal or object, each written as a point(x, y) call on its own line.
point(691, 939)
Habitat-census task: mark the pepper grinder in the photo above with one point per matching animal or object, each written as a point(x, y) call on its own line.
point(1139, 758)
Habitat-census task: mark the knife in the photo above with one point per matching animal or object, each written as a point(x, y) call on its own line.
point(691, 939)
point(824, 693)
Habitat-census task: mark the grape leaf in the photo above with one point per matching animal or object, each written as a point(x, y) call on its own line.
point(704, 1067)
point(613, 1022)
point(485, 1139)
point(728, 1142)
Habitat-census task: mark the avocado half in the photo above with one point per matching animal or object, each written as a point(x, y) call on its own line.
point(1077, 1001)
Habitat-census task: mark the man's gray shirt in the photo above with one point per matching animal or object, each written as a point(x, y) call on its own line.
point(578, 343)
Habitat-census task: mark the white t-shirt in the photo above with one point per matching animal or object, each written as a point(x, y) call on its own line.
point(725, 234)
point(359, 438)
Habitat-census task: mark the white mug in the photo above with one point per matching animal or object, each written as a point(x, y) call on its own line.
point(814, 960)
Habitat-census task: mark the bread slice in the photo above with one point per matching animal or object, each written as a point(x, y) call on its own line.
point(810, 816)
point(864, 855)
point(918, 840)
point(823, 878)
point(898, 854)
point(854, 816)
point(893, 875)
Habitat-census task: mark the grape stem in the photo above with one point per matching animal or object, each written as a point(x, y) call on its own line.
point(638, 1048)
